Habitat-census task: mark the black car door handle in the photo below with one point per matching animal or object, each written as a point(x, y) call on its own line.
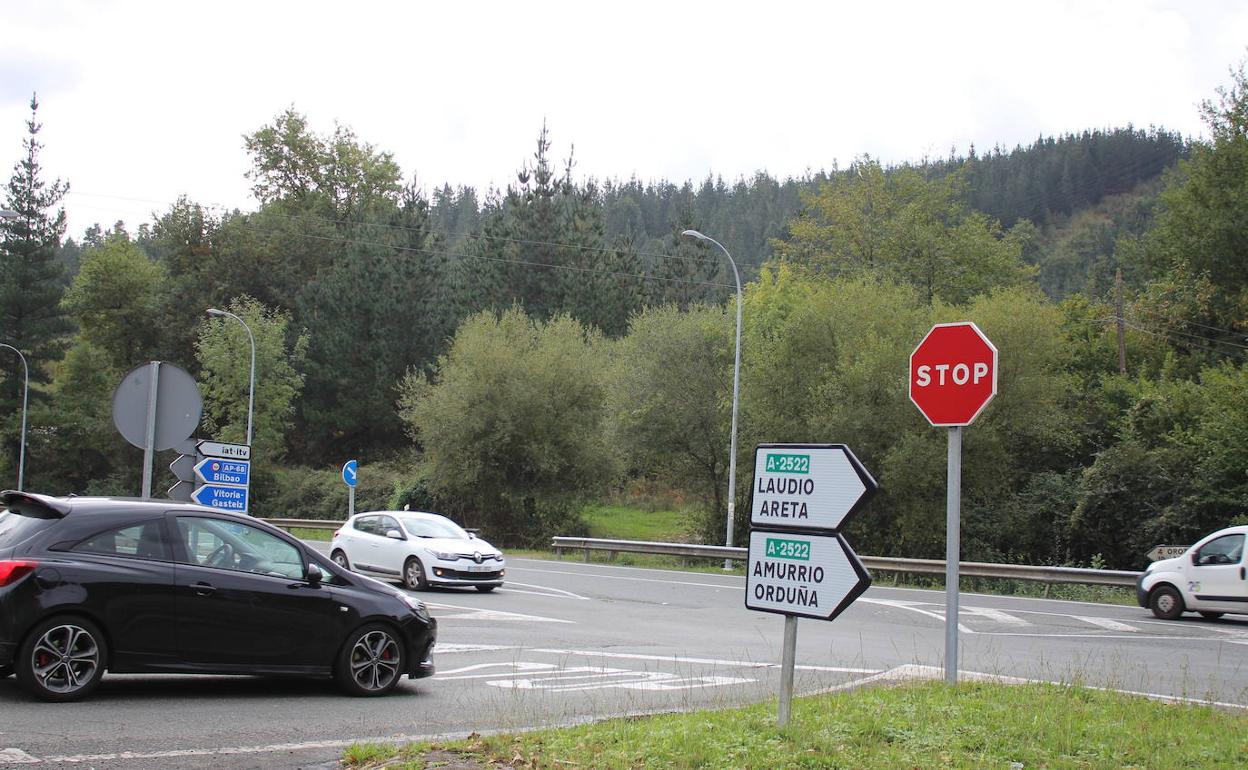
point(204, 589)
point(1241, 573)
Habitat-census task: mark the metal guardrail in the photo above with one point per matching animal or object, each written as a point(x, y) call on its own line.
point(327, 524)
point(1075, 575)
point(305, 523)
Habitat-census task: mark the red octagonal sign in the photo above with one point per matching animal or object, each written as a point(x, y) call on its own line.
point(953, 374)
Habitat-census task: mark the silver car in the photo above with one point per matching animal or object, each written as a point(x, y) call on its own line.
point(419, 549)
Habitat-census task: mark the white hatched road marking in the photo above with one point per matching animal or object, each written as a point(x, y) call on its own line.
point(476, 613)
point(702, 661)
point(999, 616)
point(1112, 625)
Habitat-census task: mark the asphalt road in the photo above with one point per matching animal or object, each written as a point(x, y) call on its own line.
point(564, 642)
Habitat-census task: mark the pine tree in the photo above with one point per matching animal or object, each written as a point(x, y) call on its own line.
point(31, 318)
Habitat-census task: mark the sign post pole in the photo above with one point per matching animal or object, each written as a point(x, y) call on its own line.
point(953, 552)
point(786, 669)
point(149, 444)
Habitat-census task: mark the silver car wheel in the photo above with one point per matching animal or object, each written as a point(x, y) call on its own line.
point(65, 659)
point(375, 661)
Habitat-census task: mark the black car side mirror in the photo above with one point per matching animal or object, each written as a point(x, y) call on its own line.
point(315, 576)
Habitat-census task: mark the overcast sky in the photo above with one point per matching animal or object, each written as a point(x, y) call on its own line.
point(144, 101)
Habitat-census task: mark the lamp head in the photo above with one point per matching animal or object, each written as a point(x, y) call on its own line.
point(215, 312)
point(694, 234)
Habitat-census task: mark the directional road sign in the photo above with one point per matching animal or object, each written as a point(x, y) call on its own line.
point(813, 576)
point(807, 486)
point(350, 473)
point(225, 498)
point(1160, 552)
point(230, 451)
point(180, 491)
point(953, 374)
point(216, 470)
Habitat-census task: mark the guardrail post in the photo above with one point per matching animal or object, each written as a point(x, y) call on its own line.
point(586, 555)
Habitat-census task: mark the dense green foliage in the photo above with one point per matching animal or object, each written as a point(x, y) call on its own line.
point(509, 356)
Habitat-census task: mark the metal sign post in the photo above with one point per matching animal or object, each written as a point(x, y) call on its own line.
point(149, 440)
point(953, 552)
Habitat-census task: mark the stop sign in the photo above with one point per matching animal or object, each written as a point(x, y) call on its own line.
point(953, 374)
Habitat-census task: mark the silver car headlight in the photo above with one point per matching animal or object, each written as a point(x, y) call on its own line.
point(445, 556)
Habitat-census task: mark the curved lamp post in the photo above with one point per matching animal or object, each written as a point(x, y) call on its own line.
point(736, 392)
point(251, 390)
point(21, 457)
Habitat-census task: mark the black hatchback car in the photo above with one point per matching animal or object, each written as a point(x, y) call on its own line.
point(89, 584)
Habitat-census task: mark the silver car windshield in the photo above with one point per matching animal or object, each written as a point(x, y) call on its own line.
point(434, 528)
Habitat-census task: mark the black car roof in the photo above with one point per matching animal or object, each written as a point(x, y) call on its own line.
point(62, 506)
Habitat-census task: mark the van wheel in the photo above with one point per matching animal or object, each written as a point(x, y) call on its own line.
point(1166, 603)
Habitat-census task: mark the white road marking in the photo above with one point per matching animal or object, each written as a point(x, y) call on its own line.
point(543, 591)
point(444, 649)
point(702, 661)
point(17, 757)
point(999, 616)
point(458, 673)
point(476, 613)
point(914, 607)
point(648, 580)
point(1112, 625)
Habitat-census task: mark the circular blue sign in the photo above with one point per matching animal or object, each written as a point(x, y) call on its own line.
point(350, 469)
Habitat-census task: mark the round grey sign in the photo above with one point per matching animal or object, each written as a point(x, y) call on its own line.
point(179, 406)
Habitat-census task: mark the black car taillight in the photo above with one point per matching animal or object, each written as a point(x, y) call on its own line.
point(13, 571)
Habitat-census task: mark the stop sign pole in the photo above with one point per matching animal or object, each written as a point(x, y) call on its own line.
point(953, 376)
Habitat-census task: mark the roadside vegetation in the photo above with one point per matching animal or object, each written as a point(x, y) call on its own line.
point(970, 726)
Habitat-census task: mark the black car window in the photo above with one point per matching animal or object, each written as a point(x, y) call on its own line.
point(141, 541)
point(368, 524)
point(236, 546)
point(1228, 549)
point(387, 523)
point(16, 526)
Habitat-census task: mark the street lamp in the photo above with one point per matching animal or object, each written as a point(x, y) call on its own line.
point(21, 457)
point(736, 391)
point(9, 214)
point(251, 390)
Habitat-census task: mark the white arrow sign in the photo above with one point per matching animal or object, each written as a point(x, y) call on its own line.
point(807, 486)
point(230, 451)
point(813, 576)
point(1160, 552)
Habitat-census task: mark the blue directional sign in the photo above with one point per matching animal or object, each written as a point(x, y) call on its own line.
point(225, 498)
point(215, 470)
point(350, 471)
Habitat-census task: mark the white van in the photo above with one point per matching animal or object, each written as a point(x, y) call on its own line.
point(1208, 578)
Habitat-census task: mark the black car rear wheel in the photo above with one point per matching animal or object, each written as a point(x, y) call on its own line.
point(62, 659)
point(371, 662)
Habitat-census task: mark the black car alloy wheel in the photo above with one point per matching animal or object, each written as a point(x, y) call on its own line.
point(62, 659)
point(371, 661)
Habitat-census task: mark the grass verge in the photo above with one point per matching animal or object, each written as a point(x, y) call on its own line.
point(622, 522)
point(923, 725)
